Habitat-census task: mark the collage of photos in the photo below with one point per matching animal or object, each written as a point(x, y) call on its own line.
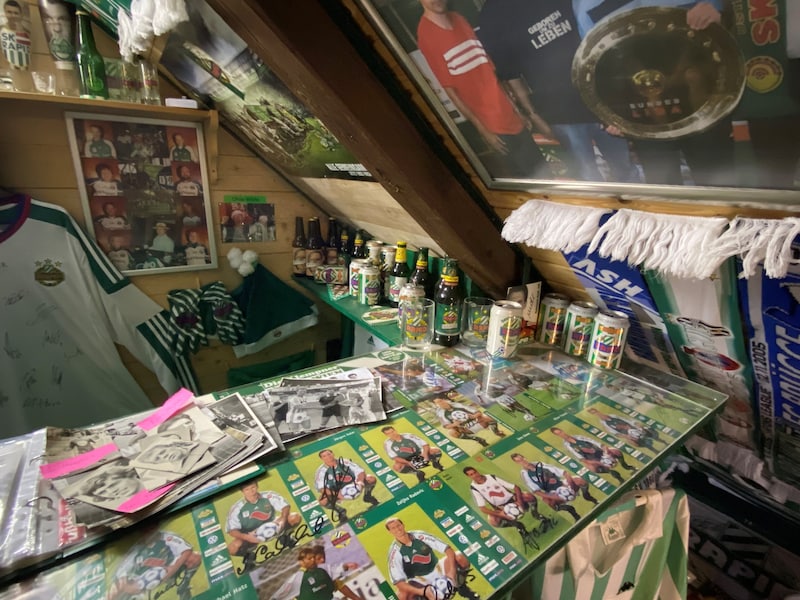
point(144, 191)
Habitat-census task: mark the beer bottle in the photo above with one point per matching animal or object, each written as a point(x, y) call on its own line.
point(447, 297)
point(332, 248)
point(299, 249)
point(91, 68)
point(359, 251)
point(398, 276)
point(344, 247)
point(314, 247)
point(421, 276)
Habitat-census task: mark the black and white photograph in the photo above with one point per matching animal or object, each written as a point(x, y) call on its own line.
point(626, 96)
point(303, 406)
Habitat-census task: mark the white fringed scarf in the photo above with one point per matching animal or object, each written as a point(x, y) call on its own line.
point(671, 244)
point(146, 19)
point(553, 226)
point(677, 245)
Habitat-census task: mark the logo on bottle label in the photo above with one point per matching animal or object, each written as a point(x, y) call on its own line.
point(395, 284)
point(448, 319)
point(299, 261)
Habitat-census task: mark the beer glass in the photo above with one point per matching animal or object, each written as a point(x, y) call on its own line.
point(416, 324)
point(475, 320)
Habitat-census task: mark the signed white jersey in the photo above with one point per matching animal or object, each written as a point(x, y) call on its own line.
point(64, 306)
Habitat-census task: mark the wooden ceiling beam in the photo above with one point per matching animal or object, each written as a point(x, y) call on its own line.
point(308, 51)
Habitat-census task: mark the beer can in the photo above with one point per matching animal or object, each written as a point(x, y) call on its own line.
point(330, 274)
point(552, 314)
point(369, 289)
point(505, 324)
point(578, 327)
point(408, 293)
point(355, 283)
point(608, 339)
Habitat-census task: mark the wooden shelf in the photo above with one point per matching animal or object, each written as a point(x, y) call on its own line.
point(352, 309)
point(209, 118)
point(112, 106)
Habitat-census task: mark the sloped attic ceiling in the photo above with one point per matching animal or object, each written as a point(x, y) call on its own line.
point(314, 111)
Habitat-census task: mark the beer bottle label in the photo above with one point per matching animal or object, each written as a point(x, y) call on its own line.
point(299, 261)
point(395, 285)
point(448, 319)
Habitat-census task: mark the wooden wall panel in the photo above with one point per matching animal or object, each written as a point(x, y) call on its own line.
point(37, 161)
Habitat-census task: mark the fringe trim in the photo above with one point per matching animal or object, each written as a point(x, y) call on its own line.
point(147, 18)
point(671, 244)
point(553, 226)
point(758, 241)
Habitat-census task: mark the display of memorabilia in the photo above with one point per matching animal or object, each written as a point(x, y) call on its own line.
point(145, 193)
point(488, 465)
point(657, 98)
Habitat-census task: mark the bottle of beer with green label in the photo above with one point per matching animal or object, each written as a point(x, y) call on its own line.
point(398, 276)
point(447, 297)
point(344, 246)
point(421, 276)
point(91, 68)
point(299, 249)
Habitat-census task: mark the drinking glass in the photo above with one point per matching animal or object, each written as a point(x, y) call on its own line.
point(475, 320)
point(416, 324)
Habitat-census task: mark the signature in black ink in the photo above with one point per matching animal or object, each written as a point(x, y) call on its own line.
point(12, 299)
point(262, 553)
point(11, 352)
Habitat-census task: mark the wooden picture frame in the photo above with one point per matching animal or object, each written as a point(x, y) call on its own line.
point(144, 187)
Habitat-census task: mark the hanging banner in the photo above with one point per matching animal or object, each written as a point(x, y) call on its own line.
point(773, 328)
point(618, 286)
point(704, 323)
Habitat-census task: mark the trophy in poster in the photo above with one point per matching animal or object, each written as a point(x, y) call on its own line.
point(652, 76)
point(15, 37)
point(58, 19)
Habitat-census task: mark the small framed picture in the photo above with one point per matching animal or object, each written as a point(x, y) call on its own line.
point(144, 187)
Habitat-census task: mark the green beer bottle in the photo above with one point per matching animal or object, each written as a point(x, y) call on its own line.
point(447, 297)
point(91, 68)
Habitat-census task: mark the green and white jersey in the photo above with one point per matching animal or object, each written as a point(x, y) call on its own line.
point(160, 551)
point(183, 154)
point(619, 426)
point(65, 306)
point(458, 413)
point(99, 149)
point(406, 448)
point(246, 516)
point(416, 560)
point(547, 478)
point(584, 448)
point(636, 550)
point(334, 478)
point(316, 585)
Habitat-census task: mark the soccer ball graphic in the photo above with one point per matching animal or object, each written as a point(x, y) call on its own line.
point(350, 491)
point(444, 588)
point(565, 493)
point(512, 511)
point(459, 415)
point(418, 461)
point(266, 531)
point(607, 460)
point(151, 578)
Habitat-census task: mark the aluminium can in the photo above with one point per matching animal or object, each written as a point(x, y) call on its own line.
point(369, 288)
point(552, 314)
point(608, 339)
point(333, 274)
point(355, 283)
point(505, 324)
point(578, 327)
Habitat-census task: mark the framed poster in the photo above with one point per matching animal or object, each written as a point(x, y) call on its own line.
point(145, 193)
point(683, 99)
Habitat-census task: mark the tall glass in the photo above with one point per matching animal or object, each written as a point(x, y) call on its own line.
point(475, 320)
point(416, 324)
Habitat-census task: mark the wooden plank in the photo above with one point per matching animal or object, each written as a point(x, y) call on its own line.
point(312, 56)
point(247, 173)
